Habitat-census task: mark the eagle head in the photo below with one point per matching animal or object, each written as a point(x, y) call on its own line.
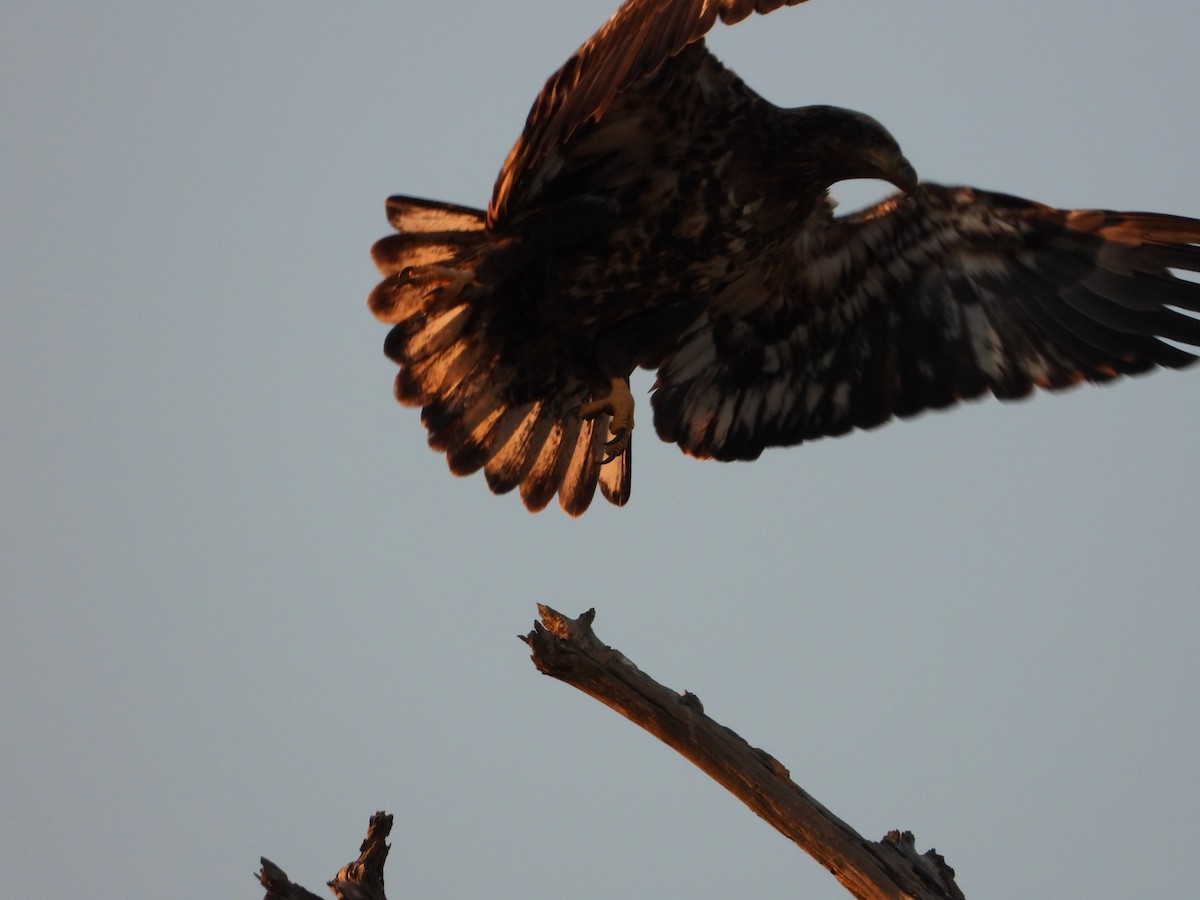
point(834, 144)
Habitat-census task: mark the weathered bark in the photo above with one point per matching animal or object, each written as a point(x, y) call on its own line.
point(358, 880)
point(568, 650)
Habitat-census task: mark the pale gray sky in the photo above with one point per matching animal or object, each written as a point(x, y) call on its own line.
point(244, 606)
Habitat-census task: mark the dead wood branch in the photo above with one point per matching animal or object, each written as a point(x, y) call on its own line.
point(568, 649)
point(358, 880)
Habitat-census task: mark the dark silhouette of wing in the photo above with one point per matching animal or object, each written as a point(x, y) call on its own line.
point(923, 301)
point(639, 37)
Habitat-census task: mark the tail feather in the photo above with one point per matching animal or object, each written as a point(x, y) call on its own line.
point(409, 291)
point(583, 470)
point(504, 434)
point(414, 216)
point(436, 376)
point(550, 469)
point(513, 453)
point(479, 408)
point(539, 484)
point(465, 432)
point(396, 252)
point(616, 476)
point(439, 331)
point(442, 376)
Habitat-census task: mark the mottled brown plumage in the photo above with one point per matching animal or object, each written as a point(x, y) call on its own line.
point(656, 212)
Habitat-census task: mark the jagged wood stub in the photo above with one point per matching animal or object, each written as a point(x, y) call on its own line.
point(361, 879)
point(568, 649)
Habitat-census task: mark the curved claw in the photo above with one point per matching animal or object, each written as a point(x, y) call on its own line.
point(618, 403)
point(618, 445)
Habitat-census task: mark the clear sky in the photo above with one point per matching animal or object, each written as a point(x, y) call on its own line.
point(244, 606)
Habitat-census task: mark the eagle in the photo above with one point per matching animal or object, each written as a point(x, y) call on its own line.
point(656, 212)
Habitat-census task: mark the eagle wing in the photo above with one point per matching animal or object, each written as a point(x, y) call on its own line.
point(922, 301)
point(633, 43)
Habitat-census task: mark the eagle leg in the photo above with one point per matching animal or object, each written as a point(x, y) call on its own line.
point(618, 403)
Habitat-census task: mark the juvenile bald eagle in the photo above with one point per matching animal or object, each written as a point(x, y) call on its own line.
point(657, 212)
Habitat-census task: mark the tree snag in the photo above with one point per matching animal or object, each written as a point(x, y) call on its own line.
point(358, 880)
point(568, 649)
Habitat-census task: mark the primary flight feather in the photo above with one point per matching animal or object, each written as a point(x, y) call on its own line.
point(656, 212)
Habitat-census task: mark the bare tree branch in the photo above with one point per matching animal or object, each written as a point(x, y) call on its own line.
point(567, 649)
point(358, 880)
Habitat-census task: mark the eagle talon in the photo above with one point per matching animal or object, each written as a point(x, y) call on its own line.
point(618, 403)
point(618, 445)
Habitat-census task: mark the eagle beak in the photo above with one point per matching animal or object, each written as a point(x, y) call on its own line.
point(898, 170)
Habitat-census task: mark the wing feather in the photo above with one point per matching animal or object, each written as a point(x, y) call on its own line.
point(633, 43)
point(924, 301)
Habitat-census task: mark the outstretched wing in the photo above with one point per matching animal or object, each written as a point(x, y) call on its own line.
point(923, 301)
point(638, 38)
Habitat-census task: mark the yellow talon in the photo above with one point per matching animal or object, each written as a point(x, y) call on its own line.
point(618, 403)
